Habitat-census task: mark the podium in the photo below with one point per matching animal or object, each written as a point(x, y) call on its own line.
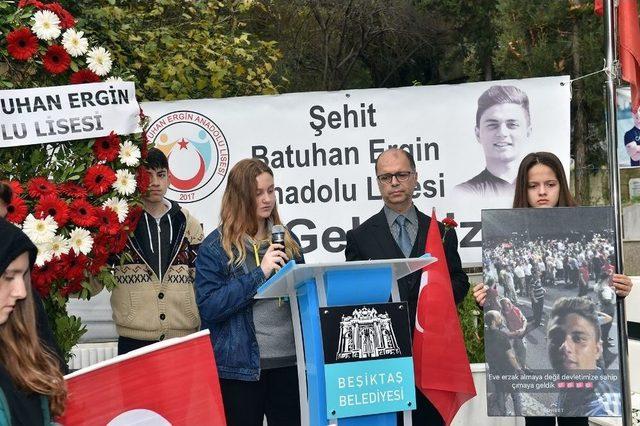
point(310, 287)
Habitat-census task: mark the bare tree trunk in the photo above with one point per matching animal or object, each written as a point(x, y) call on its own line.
point(488, 68)
point(579, 128)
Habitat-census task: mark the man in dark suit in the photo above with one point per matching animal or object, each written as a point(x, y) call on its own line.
point(400, 230)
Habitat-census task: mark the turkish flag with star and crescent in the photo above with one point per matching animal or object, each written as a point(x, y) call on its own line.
point(441, 366)
point(174, 382)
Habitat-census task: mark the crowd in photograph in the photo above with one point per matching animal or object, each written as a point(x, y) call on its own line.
point(573, 275)
point(521, 268)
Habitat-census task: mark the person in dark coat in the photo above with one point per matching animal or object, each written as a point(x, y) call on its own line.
point(400, 230)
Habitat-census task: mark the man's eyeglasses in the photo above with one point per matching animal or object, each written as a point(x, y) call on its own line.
point(400, 176)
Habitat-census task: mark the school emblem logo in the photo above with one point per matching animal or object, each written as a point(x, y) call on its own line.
point(197, 151)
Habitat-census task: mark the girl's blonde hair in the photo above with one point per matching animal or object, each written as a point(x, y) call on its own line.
point(238, 218)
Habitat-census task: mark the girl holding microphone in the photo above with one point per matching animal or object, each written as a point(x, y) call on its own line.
point(252, 340)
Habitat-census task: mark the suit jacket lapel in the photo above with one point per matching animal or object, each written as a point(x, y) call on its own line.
point(383, 237)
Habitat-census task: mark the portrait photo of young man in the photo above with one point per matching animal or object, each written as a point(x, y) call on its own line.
point(503, 128)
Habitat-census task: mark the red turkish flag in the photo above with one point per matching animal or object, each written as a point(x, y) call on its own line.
point(629, 35)
point(629, 39)
point(440, 360)
point(169, 383)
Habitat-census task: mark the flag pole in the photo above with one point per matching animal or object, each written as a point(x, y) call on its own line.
point(611, 66)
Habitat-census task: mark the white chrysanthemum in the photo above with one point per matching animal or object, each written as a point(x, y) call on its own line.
point(74, 42)
point(119, 206)
point(59, 245)
point(129, 154)
point(113, 79)
point(99, 60)
point(81, 241)
point(46, 25)
point(125, 183)
point(45, 253)
point(39, 230)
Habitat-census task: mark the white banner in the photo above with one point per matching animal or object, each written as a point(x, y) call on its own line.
point(64, 113)
point(322, 148)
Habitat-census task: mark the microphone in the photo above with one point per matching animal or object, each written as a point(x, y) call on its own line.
point(277, 237)
point(277, 234)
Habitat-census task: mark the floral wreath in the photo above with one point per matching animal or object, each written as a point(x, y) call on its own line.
point(46, 35)
point(79, 217)
point(78, 226)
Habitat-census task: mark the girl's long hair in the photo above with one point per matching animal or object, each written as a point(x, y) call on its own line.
point(550, 160)
point(30, 365)
point(238, 218)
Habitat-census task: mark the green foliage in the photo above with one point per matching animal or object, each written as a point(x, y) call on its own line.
point(61, 162)
point(106, 278)
point(541, 38)
point(472, 328)
point(333, 45)
point(473, 40)
point(533, 40)
point(176, 49)
point(67, 329)
point(505, 39)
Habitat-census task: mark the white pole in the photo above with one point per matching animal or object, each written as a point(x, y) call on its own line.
point(610, 31)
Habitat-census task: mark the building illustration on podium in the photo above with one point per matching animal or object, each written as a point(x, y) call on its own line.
point(366, 334)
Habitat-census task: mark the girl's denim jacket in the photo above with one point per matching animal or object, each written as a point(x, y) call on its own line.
point(224, 294)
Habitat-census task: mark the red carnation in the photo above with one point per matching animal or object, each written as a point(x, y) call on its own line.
point(83, 213)
point(98, 262)
point(84, 76)
point(104, 241)
point(112, 244)
point(73, 190)
point(66, 19)
point(17, 210)
point(16, 188)
point(56, 60)
point(107, 148)
point(142, 180)
point(131, 222)
point(72, 287)
point(108, 221)
point(22, 44)
point(119, 242)
point(100, 243)
point(99, 178)
point(25, 3)
point(39, 187)
point(73, 265)
point(449, 222)
point(43, 276)
point(51, 205)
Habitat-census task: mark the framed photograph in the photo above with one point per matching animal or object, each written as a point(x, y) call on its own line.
point(551, 337)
